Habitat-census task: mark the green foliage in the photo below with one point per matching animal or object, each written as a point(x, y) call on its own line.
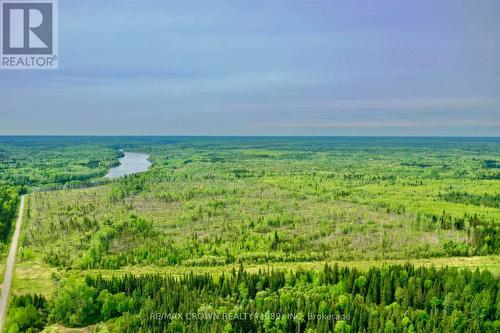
point(266, 201)
point(9, 201)
point(304, 303)
point(27, 314)
point(75, 303)
point(48, 161)
point(221, 201)
point(485, 199)
point(114, 305)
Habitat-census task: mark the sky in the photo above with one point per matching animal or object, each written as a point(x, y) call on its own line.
point(264, 67)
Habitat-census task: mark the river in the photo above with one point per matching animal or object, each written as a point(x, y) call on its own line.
point(129, 164)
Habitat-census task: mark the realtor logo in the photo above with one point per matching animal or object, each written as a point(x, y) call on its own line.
point(29, 37)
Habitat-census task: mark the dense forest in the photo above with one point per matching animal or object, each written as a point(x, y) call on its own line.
point(387, 299)
point(39, 161)
point(9, 199)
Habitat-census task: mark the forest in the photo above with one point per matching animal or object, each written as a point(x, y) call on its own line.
point(9, 199)
point(27, 163)
point(334, 299)
point(339, 234)
point(34, 162)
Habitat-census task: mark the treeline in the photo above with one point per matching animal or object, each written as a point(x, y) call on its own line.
point(9, 200)
point(73, 185)
point(486, 200)
point(491, 164)
point(45, 161)
point(399, 298)
point(483, 237)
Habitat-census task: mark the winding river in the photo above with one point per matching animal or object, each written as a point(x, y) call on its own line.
point(129, 164)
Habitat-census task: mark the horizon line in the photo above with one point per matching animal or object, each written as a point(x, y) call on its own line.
point(244, 136)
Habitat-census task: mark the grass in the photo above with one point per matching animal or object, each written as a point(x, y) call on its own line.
point(221, 203)
point(209, 206)
point(37, 278)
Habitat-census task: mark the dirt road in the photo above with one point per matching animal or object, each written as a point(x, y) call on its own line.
point(9, 268)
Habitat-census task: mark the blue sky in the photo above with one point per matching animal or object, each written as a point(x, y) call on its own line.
point(265, 67)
